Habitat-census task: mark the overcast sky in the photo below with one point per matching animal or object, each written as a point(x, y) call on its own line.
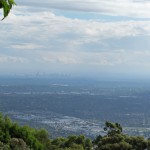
point(78, 37)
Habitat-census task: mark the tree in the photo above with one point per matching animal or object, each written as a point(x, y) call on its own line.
point(18, 144)
point(113, 128)
point(6, 5)
point(116, 140)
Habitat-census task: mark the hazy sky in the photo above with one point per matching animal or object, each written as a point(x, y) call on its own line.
point(77, 37)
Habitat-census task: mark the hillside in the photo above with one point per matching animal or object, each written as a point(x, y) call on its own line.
point(15, 137)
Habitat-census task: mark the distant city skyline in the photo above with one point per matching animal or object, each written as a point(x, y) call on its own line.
point(90, 38)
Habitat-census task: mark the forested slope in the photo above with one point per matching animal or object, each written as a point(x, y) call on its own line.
point(15, 137)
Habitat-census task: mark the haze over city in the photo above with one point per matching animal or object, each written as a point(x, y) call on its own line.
point(87, 38)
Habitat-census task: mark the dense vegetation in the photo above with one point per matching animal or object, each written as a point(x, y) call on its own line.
point(15, 137)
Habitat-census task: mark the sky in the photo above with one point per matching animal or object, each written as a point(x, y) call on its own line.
point(77, 37)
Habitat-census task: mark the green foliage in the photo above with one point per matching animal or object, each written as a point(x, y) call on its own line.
point(112, 128)
point(4, 146)
point(116, 140)
point(72, 142)
point(18, 144)
point(6, 5)
point(15, 137)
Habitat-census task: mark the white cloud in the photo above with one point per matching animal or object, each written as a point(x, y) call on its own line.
point(45, 27)
point(26, 46)
point(62, 58)
point(131, 8)
point(42, 37)
point(101, 59)
point(11, 59)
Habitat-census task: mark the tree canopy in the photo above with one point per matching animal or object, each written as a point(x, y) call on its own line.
point(116, 140)
point(15, 137)
point(6, 5)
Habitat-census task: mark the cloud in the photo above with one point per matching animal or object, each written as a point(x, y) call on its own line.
point(130, 8)
point(11, 59)
point(40, 38)
point(112, 59)
point(46, 27)
point(26, 46)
